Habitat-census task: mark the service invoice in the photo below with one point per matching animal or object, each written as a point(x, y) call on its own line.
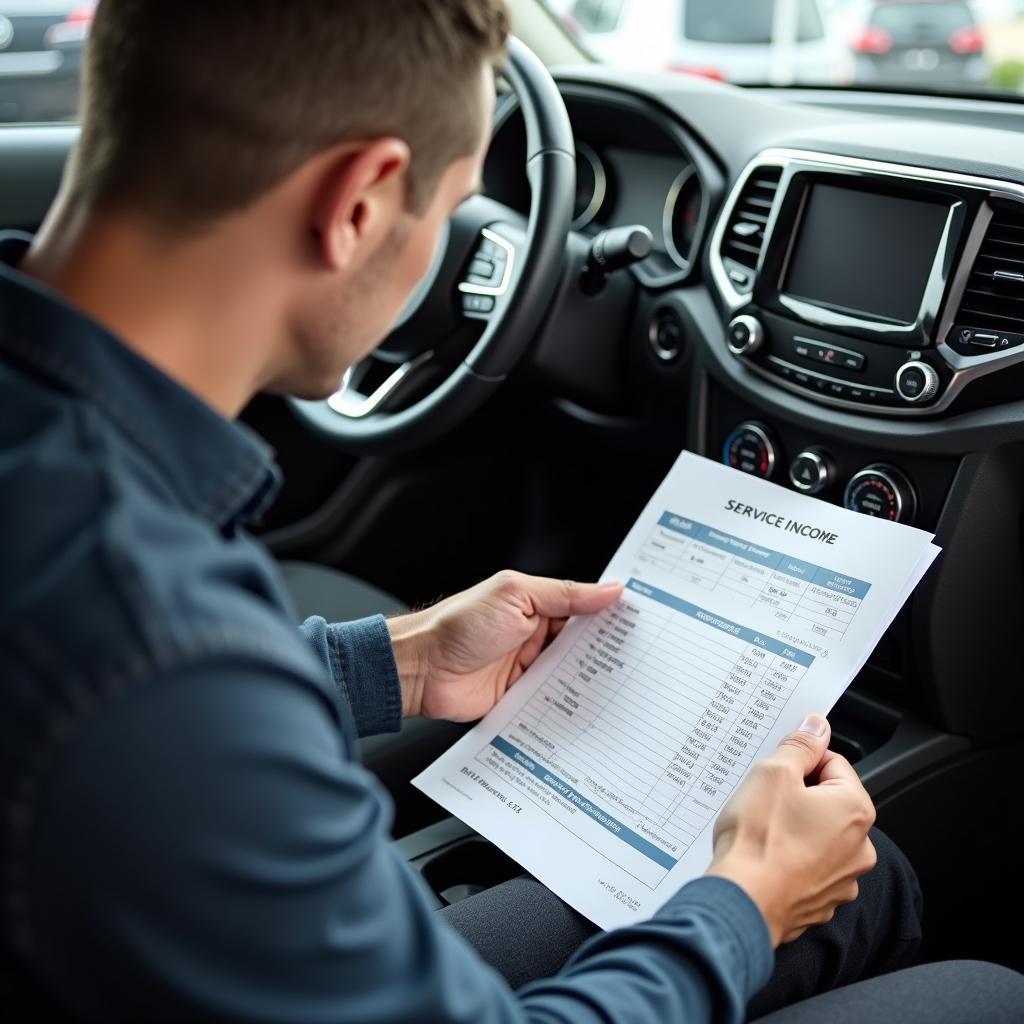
point(746, 606)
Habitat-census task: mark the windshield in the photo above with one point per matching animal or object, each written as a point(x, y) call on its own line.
point(950, 46)
point(743, 23)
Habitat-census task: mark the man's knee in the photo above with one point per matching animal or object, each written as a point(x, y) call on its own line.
point(893, 874)
point(890, 900)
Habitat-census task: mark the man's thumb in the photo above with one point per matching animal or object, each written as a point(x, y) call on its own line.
point(807, 745)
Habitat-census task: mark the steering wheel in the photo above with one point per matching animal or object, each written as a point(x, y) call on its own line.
point(492, 266)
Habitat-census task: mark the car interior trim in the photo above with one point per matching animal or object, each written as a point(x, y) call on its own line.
point(600, 186)
point(668, 217)
point(495, 290)
point(352, 404)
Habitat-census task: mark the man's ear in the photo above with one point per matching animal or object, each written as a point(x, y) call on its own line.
point(361, 195)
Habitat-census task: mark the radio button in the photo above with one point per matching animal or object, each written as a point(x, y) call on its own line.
point(746, 335)
point(812, 471)
point(917, 382)
point(806, 348)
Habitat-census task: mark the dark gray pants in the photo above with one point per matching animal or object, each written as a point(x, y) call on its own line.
point(818, 978)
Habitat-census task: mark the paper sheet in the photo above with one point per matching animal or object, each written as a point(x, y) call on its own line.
point(747, 605)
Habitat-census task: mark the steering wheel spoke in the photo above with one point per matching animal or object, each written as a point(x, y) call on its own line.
point(490, 273)
point(350, 402)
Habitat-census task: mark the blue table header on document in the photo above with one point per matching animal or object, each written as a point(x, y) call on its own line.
point(777, 560)
point(750, 636)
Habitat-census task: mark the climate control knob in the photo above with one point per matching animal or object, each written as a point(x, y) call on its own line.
point(812, 471)
point(883, 491)
point(746, 335)
point(917, 382)
point(750, 449)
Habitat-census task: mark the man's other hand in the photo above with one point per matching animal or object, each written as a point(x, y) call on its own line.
point(457, 659)
point(795, 833)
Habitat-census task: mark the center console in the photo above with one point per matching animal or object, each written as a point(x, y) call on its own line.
point(862, 340)
point(871, 286)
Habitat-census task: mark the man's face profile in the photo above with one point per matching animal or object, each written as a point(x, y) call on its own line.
point(352, 310)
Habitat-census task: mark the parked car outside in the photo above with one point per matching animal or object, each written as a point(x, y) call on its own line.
point(747, 42)
point(41, 43)
point(920, 42)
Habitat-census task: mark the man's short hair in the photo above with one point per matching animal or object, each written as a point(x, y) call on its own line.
point(195, 109)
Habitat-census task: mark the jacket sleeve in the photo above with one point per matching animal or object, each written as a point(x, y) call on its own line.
point(204, 851)
point(361, 661)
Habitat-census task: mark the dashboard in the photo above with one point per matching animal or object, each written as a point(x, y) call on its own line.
point(637, 167)
point(834, 302)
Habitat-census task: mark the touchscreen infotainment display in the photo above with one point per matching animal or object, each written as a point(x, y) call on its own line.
point(865, 254)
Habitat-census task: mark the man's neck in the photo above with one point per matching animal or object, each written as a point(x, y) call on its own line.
point(192, 309)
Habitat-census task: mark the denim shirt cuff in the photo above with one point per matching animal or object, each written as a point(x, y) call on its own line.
point(363, 666)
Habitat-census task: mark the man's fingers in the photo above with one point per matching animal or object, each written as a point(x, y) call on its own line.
point(835, 768)
point(529, 651)
point(807, 745)
point(560, 599)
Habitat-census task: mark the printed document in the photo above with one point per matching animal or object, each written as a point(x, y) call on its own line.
point(747, 605)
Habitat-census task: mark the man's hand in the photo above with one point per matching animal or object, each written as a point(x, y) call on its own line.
point(797, 847)
point(457, 659)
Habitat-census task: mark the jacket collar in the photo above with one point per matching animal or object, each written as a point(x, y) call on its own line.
point(221, 470)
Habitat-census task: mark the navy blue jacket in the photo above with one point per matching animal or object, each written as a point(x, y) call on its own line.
point(186, 832)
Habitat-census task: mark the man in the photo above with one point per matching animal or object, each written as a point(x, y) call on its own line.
point(187, 834)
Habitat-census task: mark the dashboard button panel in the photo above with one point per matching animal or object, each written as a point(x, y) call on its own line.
point(830, 355)
point(818, 364)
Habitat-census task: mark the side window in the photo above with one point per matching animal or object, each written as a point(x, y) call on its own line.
point(41, 43)
point(811, 28)
point(595, 16)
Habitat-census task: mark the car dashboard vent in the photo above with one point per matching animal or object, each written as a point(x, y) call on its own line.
point(744, 235)
point(994, 297)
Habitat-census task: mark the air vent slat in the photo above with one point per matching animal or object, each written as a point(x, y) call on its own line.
point(753, 250)
point(745, 232)
point(996, 261)
point(997, 303)
point(989, 303)
point(996, 321)
point(996, 248)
